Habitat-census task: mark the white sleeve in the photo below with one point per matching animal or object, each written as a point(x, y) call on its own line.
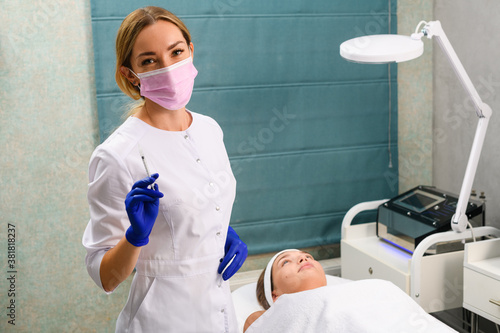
point(109, 183)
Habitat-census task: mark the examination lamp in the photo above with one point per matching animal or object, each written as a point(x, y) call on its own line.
point(377, 49)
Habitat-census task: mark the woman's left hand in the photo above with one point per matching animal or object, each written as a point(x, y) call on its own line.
point(234, 248)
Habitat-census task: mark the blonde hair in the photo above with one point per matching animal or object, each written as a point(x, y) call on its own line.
point(130, 28)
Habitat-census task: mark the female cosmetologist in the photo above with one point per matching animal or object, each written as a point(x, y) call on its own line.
point(179, 239)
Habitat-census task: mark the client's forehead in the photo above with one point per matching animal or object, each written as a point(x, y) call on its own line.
point(287, 254)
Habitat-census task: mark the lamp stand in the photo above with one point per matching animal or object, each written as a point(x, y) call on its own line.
point(434, 30)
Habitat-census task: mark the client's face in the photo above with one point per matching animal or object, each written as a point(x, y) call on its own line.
point(296, 271)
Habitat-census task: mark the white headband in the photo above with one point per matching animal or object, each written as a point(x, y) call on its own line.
point(267, 277)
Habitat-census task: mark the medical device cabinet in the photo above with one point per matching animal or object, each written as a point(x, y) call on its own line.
point(433, 281)
point(482, 279)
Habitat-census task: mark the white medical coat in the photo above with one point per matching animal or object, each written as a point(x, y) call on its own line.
point(176, 287)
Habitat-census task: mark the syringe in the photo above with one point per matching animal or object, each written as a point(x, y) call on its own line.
point(145, 165)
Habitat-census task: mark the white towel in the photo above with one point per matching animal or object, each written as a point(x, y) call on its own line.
point(358, 306)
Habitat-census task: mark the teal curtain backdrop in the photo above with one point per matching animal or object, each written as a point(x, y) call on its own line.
point(308, 133)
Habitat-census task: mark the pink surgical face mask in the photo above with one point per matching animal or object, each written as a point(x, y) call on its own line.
point(170, 87)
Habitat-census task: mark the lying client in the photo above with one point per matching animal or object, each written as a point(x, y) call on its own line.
point(297, 297)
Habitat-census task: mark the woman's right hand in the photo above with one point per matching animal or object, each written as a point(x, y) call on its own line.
point(142, 206)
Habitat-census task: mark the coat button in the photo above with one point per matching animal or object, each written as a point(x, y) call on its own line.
point(217, 208)
point(198, 161)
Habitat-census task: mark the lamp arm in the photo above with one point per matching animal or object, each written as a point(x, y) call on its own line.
point(434, 29)
point(459, 220)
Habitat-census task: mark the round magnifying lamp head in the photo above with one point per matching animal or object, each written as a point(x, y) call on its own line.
point(381, 49)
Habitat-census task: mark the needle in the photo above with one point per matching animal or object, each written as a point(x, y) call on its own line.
point(145, 165)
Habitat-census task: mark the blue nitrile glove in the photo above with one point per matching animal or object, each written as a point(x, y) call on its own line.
point(234, 248)
point(142, 209)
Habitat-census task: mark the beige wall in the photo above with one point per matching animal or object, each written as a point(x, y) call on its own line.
point(48, 130)
point(415, 98)
point(473, 32)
